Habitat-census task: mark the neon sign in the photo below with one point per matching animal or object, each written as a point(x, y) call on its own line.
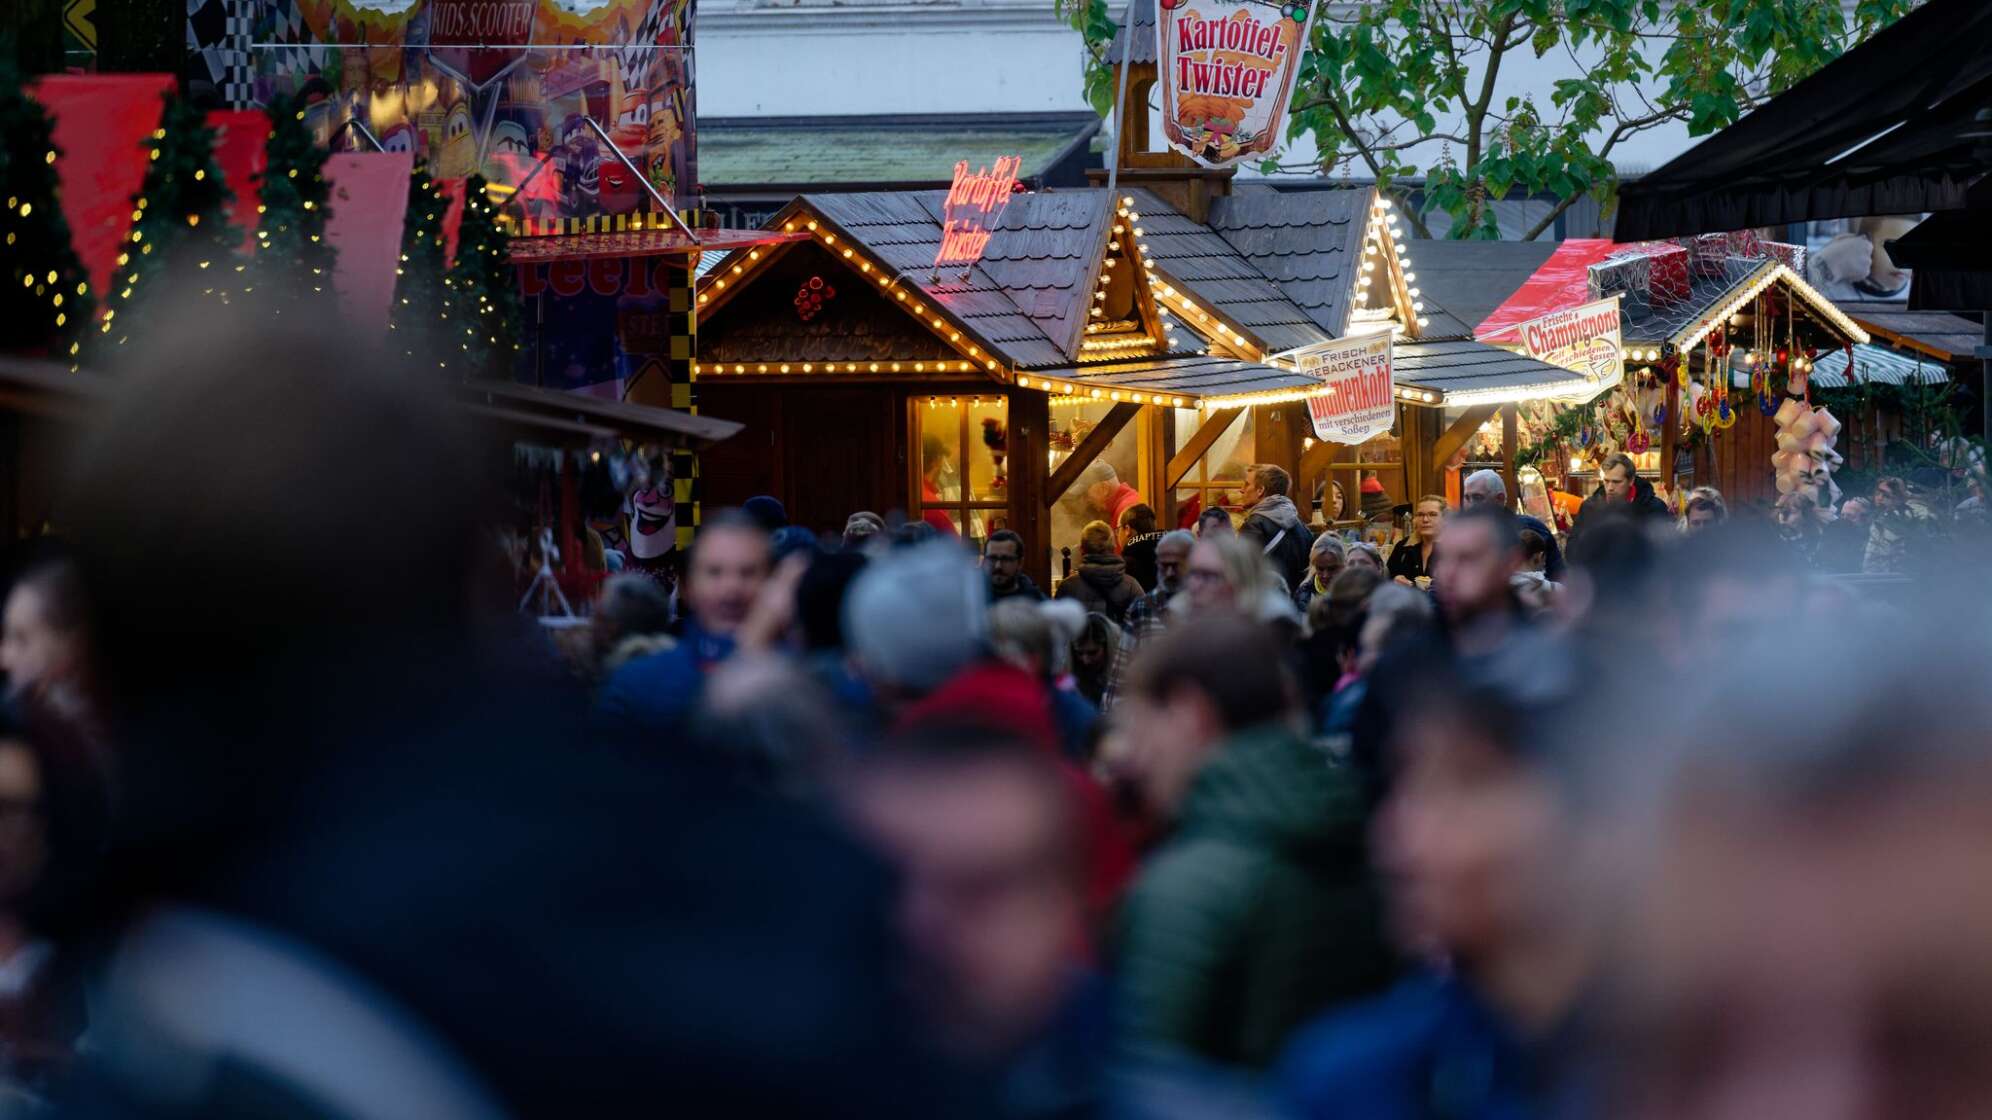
point(975, 200)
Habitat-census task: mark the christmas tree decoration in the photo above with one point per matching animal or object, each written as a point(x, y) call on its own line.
point(179, 226)
point(292, 261)
point(45, 301)
point(484, 294)
point(420, 316)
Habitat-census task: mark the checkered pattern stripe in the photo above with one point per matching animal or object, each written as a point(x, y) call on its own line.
point(684, 396)
point(595, 223)
point(641, 50)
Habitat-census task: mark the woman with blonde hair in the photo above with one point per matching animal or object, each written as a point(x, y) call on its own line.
point(1411, 560)
point(1230, 573)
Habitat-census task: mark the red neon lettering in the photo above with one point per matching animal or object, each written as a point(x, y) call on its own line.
point(531, 281)
point(974, 201)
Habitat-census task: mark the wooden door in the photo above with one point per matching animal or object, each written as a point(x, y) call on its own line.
point(839, 453)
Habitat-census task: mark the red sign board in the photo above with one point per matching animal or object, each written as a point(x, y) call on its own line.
point(975, 200)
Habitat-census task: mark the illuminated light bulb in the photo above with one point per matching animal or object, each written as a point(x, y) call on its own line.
point(874, 367)
point(1023, 382)
point(785, 368)
point(754, 254)
point(1414, 293)
point(1423, 322)
point(1127, 200)
point(919, 367)
point(812, 226)
point(1096, 394)
point(901, 296)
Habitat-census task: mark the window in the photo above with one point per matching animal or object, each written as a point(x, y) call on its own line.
point(1216, 478)
point(964, 463)
point(1071, 421)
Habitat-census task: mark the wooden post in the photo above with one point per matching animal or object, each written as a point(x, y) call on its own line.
point(1510, 446)
point(1030, 462)
point(1455, 437)
point(1670, 434)
point(1089, 449)
point(1207, 435)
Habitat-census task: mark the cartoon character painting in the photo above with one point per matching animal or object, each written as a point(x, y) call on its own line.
point(580, 166)
point(456, 158)
point(653, 510)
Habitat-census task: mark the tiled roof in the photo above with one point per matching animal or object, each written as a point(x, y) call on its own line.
point(1465, 366)
point(1200, 260)
point(1141, 16)
point(1306, 242)
point(1202, 376)
point(1028, 295)
point(794, 151)
point(1470, 279)
point(1938, 333)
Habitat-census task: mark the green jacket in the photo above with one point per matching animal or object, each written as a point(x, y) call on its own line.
point(1258, 913)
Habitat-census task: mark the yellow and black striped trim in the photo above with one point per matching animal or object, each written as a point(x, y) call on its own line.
point(599, 223)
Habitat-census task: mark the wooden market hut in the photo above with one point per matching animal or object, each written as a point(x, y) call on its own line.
point(1095, 327)
point(1703, 311)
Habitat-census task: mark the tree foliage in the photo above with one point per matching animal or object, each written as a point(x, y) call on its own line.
point(292, 263)
point(1400, 90)
point(484, 289)
point(180, 237)
point(420, 315)
point(45, 301)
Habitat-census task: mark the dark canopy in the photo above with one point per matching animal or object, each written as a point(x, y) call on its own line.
point(1901, 124)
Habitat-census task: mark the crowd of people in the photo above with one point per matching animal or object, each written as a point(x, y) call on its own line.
point(1240, 821)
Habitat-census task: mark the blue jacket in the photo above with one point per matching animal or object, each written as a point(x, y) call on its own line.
point(1426, 1050)
point(655, 694)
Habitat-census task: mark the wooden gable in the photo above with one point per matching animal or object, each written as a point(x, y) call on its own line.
point(808, 306)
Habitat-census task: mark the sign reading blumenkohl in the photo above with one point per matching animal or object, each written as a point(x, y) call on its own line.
point(1360, 401)
point(1227, 71)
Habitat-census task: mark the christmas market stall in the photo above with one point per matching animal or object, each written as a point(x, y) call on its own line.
point(1719, 335)
point(987, 358)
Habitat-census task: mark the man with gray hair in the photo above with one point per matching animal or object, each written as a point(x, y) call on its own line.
point(1485, 487)
point(915, 618)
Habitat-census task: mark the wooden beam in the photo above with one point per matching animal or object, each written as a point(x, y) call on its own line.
point(1200, 443)
point(1030, 439)
point(1455, 437)
point(1510, 445)
point(1089, 449)
point(1670, 433)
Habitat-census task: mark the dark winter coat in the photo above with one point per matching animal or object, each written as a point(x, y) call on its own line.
point(1258, 913)
point(1139, 552)
point(1643, 503)
point(1023, 589)
point(1275, 526)
point(1102, 584)
point(1427, 1049)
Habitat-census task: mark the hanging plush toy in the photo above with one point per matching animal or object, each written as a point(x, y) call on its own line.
point(1805, 457)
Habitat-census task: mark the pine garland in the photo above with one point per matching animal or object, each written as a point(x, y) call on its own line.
point(421, 313)
point(485, 296)
point(45, 301)
point(180, 227)
point(293, 262)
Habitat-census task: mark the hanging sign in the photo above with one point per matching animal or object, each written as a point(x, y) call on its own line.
point(1360, 401)
point(968, 215)
point(1227, 72)
point(1583, 339)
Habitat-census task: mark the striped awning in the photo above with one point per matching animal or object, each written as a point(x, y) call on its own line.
point(1876, 365)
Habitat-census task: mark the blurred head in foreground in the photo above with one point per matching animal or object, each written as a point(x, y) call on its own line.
point(992, 902)
point(1812, 916)
point(279, 532)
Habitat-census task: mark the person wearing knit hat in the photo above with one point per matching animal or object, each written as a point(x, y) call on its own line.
point(916, 617)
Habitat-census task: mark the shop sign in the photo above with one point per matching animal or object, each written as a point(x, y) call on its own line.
point(1227, 72)
point(1360, 398)
point(968, 215)
point(479, 41)
point(1583, 339)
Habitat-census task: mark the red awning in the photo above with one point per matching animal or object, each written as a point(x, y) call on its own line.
point(641, 243)
point(1564, 280)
